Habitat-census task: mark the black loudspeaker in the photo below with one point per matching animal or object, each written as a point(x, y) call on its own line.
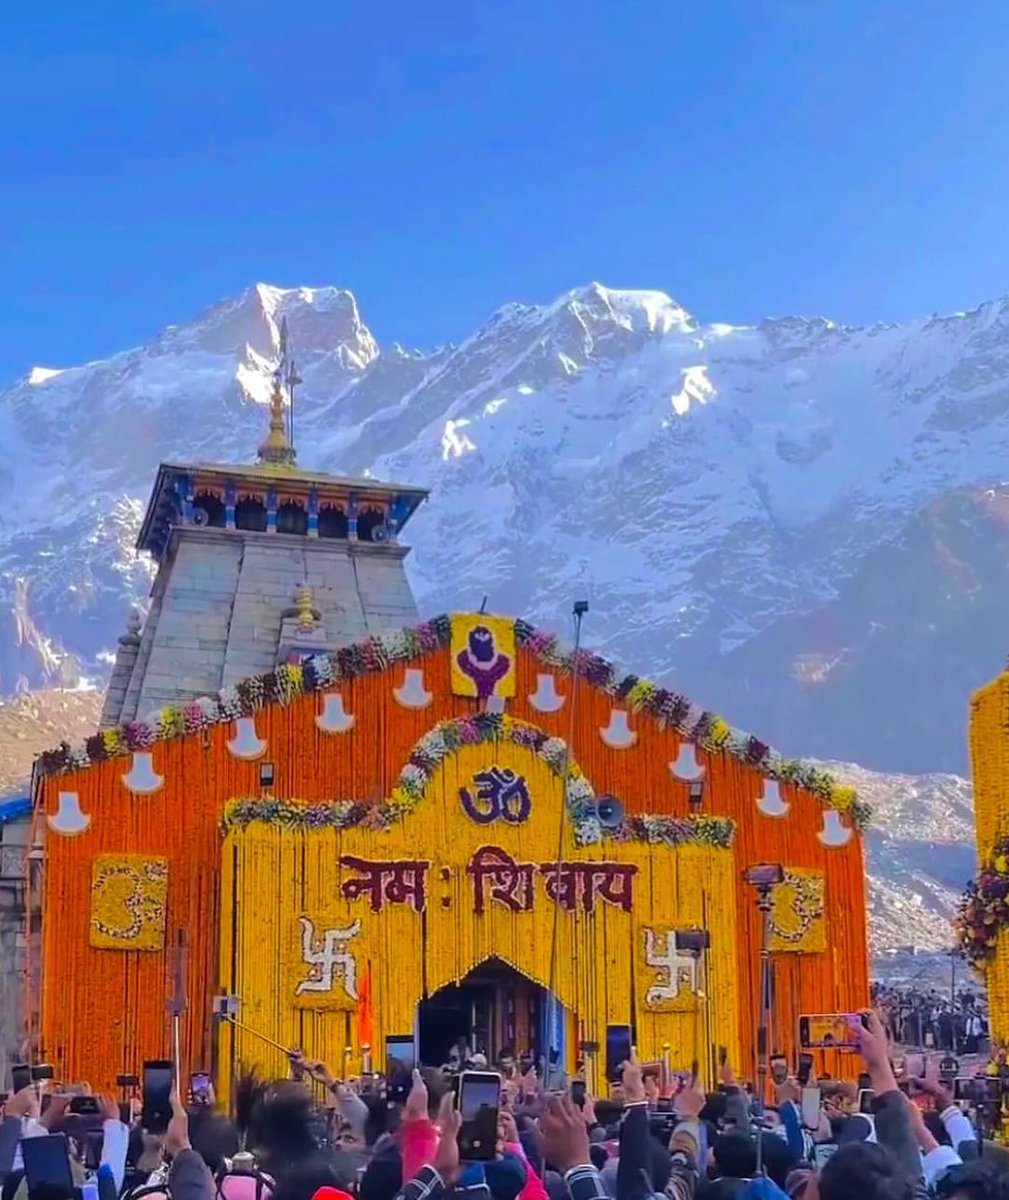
point(694, 941)
point(610, 812)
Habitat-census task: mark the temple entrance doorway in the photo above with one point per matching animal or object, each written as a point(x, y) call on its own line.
point(495, 1011)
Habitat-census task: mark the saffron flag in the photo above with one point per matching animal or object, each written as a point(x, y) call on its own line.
point(365, 1026)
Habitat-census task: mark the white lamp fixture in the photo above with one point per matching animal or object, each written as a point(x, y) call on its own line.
point(246, 743)
point(334, 718)
point(770, 801)
point(68, 818)
point(141, 777)
point(834, 832)
point(685, 766)
point(618, 735)
point(546, 698)
point(412, 693)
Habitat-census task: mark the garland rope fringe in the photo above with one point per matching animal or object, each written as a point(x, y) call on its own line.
point(707, 730)
point(442, 741)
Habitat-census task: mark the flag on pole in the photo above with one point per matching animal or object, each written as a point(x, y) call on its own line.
point(365, 1024)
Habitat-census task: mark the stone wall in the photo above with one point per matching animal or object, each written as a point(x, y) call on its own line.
point(219, 601)
point(14, 837)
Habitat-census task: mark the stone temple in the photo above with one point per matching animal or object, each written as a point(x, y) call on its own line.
point(259, 565)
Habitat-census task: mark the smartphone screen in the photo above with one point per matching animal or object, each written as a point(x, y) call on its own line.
point(399, 1055)
point(811, 1107)
point(618, 1049)
point(865, 1099)
point(578, 1093)
point(47, 1167)
point(827, 1031)
point(157, 1103)
point(779, 1068)
point(400, 1060)
point(42, 1072)
point(21, 1077)
point(805, 1069)
point(84, 1106)
point(479, 1101)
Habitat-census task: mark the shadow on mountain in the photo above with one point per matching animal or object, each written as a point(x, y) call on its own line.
point(884, 672)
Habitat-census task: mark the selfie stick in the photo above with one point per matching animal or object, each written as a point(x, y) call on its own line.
point(285, 1050)
point(581, 607)
point(177, 1004)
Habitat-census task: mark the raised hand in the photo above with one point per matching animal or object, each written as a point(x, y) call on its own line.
point(446, 1157)
point(23, 1104)
point(565, 1135)
point(416, 1101)
point(177, 1134)
point(58, 1106)
point(632, 1081)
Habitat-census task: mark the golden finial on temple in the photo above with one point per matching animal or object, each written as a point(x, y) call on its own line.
point(278, 448)
point(304, 604)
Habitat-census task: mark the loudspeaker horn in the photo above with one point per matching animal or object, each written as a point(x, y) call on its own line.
point(610, 812)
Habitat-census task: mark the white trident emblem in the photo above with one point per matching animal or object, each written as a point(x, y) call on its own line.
point(329, 959)
point(676, 970)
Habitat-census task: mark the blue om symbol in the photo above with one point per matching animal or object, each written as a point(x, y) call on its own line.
point(500, 794)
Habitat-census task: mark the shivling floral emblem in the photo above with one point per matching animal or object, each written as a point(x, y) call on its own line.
point(482, 662)
point(329, 958)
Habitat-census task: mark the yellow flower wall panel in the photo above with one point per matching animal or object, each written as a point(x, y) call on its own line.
point(989, 747)
point(275, 879)
point(797, 919)
point(129, 895)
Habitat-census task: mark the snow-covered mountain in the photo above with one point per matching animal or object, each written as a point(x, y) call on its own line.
point(801, 523)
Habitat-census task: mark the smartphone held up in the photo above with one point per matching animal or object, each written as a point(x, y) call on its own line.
point(158, 1080)
point(478, 1099)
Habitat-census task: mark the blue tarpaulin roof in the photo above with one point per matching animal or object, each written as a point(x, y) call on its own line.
point(16, 806)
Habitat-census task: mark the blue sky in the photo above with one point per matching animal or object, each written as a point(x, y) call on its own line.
point(751, 157)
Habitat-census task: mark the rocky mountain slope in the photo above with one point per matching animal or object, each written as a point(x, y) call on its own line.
point(30, 724)
point(800, 523)
point(920, 853)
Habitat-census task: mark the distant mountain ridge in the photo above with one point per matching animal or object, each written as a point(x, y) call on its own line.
point(800, 523)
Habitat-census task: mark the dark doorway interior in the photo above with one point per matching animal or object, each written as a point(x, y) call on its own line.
point(494, 1010)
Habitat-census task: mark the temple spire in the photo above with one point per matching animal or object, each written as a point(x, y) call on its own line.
point(278, 447)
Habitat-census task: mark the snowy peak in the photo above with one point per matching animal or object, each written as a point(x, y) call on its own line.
point(635, 311)
point(715, 490)
point(323, 322)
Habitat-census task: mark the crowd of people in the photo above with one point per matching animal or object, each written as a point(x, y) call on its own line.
point(933, 1020)
point(313, 1137)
